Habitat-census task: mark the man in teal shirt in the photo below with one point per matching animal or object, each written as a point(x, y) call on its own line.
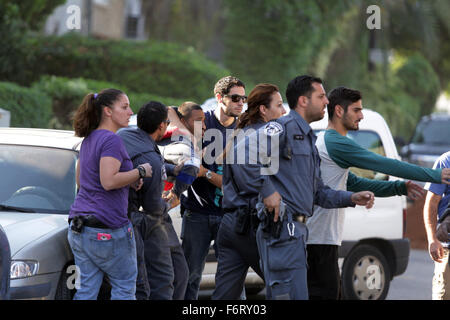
point(338, 153)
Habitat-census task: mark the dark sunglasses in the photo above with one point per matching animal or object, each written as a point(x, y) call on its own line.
point(236, 97)
point(167, 121)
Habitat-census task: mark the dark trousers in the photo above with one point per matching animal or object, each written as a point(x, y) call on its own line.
point(164, 268)
point(142, 285)
point(236, 254)
point(323, 272)
point(198, 230)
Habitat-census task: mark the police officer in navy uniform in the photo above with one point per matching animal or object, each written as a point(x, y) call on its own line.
point(165, 264)
point(287, 176)
point(236, 240)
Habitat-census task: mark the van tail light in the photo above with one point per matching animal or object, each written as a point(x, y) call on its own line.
point(404, 223)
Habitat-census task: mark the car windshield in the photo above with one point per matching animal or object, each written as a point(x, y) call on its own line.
point(39, 179)
point(435, 132)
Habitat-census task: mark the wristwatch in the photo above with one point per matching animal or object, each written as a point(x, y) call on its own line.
point(208, 174)
point(142, 171)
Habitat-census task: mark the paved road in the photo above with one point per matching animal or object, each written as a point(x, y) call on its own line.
point(414, 284)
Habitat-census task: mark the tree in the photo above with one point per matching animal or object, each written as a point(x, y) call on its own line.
point(18, 17)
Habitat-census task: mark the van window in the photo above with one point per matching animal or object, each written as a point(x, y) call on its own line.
point(371, 141)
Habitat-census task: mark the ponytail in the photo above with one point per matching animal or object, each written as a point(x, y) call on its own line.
point(89, 114)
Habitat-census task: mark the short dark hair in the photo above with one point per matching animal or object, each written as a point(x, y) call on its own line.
point(186, 108)
point(341, 96)
point(150, 116)
point(300, 86)
point(224, 85)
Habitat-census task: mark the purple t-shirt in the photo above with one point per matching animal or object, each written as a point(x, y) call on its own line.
point(110, 207)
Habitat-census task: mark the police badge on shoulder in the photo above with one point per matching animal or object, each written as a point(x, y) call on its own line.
point(272, 128)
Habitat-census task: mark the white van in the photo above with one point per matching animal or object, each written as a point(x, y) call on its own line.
point(374, 249)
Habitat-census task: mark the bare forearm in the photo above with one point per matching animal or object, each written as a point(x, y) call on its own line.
point(120, 180)
point(430, 215)
point(216, 180)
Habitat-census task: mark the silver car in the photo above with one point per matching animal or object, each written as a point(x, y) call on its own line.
point(37, 188)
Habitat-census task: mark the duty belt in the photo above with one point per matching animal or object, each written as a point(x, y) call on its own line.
point(92, 222)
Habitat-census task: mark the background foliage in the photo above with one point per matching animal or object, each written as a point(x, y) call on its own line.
point(192, 43)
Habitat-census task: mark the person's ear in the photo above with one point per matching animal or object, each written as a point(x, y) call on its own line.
point(339, 111)
point(107, 111)
point(302, 101)
point(262, 110)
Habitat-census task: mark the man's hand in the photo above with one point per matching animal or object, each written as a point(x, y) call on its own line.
point(171, 198)
point(436, 251)
point(178, 167)
point(137, 184)
point(272, 203)
point(415, 191)
point(363, 198)
point(445, 176)
point(202, 171)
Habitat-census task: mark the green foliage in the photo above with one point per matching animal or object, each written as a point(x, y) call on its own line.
point(383, 93)
point(66, 95)
point(13, 47)
point(32, 13)
point(29, 108)
point(274, 41)
point(162, 69)
point(420, 82)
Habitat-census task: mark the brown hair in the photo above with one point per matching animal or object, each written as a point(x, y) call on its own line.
point(224, 85)
point(89, 114)
point(260, 95)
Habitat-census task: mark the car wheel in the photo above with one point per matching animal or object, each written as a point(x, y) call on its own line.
point(365, 274)
point(62, 290)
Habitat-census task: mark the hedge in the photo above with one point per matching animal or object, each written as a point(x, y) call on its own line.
point(29, 108)
point(66, 95)
point(157, 68)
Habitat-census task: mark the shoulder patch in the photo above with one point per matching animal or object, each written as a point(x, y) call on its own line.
point(272, 129)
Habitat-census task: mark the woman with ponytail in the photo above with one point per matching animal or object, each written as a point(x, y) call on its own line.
point(236, 238)
point(100, 234)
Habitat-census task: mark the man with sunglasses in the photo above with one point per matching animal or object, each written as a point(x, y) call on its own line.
point(203, 204)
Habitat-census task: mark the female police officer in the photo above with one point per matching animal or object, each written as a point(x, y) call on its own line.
point(236, 237)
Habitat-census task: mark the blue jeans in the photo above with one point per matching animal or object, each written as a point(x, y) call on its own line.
point(198, 232)
point(113, 254)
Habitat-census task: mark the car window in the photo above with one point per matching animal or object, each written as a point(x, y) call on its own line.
point(434, 131)
point(37, 178)
point(371, 141)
